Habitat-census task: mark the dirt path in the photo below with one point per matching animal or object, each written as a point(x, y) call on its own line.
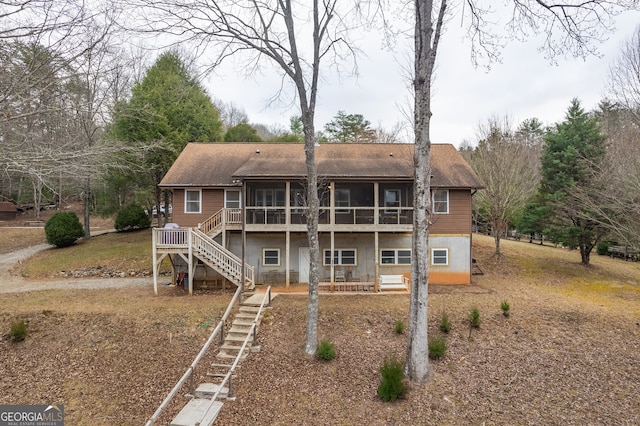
point(11, 283)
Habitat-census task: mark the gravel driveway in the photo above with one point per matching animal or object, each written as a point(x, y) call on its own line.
point(11, 283)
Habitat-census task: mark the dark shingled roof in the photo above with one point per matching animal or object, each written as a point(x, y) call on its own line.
point(219, 164)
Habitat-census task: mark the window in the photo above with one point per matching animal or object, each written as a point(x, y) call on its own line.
point(232, 199)
point(441, 201)
point(395, 257)
point(270, 197)
point(340, 257)
point(391, 199)
point(343, 199)
point(271, 257)
point(439, 256)
point(192, 201)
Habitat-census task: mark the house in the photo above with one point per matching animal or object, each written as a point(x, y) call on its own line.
point(365, 219)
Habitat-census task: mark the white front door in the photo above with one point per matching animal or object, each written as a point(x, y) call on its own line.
point(304, 257)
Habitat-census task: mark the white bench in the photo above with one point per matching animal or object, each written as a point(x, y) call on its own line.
point(393, 282)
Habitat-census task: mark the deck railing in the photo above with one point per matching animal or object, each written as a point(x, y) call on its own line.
point(352, 215)
point(172, 238)
point(227, 263)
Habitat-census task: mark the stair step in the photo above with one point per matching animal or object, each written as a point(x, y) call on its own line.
point(207, 390)
point(226, 355)
point(198, 411)
point(246, 322)
point(247, 316)
point(249, 310)
point(223, 366)
point(236, 338)
point(232, 348)
point(238, 329)
point(220, 375)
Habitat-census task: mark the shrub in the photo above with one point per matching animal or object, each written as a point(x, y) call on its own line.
point(504, 305)
point(326, 350)
point(445, 324)
point(603, 247)
point(63, 229)
point(437, 347)
point(392, 385)
point(399, 327)
point(131, 218)
point(18, 331)
point(474, 318)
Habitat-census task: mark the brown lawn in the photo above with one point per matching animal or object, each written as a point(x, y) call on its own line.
point(569, 353)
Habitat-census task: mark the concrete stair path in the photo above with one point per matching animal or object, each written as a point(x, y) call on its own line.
point(202, 410)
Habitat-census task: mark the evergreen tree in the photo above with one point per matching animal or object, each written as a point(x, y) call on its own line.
point(168, 107)
point(572, 150)
point(242, 132)
point(349, 128)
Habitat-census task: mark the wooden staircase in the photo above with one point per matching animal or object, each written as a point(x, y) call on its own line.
point(205, 404)
point(222, 260)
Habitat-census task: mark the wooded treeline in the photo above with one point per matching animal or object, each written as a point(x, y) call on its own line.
point(574, 183)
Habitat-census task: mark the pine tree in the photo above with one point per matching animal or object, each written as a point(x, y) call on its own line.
point(572, 151)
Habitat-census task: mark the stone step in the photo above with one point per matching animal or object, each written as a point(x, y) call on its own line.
point(227, 355)
point(223, 366)
point(219, 376)
point(235, 329)
point(198, 411)
point(243, 321)
point(249, 309)
point(232, 347)
point(246, 316)
point(207, 390)
point(237, 338)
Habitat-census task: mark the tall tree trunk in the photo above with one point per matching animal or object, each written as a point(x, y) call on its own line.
point(426, 42)
point(313, 205)
point(585, 252)
point(87, 208)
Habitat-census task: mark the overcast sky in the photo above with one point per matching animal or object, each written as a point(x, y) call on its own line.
point(524, 85)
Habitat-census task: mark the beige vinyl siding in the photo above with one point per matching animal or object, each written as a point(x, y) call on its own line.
point(458, 220)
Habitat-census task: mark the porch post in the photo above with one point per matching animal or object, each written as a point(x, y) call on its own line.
point(332, 259)
point(155, 265)
point(243, 202)
point(375, 278)
point(287, 218)
point(190, 276)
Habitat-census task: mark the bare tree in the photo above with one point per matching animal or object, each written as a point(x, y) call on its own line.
point(614, 197)
point(509, 166)
point(296, 38)
point(624, 75)
point(573, 28)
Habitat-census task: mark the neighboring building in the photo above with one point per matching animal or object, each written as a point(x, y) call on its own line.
point(366, 213)
point(8, 210)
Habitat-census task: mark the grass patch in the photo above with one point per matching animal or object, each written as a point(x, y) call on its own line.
point(122, 251)
point(18, 331)
point(437, 347)
point(19, 238)
point(326, 350)
point(392, 384)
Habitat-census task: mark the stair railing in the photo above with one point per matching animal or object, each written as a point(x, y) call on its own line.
point(224, 260)
point(189, 373)
point(250, 335)
point(212, 223)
